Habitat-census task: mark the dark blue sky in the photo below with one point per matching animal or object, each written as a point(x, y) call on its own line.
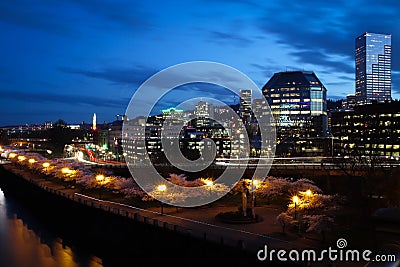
point(69, 59)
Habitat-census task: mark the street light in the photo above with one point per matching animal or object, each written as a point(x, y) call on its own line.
point(308, 199)
point(31, 161)
point(254, 185)
point(295, 200)
point(12, 155)
point(161, 188)
point(46, 165)
point(209, 183)
point(65, 170)
point(100, 179)
point(309, 193)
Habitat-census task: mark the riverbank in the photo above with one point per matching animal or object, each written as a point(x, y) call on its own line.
point(195, 225)
point(216, 243)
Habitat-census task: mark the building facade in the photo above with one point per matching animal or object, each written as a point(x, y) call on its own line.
point(245, 106)
point(203, 112)
point(297, 100)
point(373, 68)
point(349, 102)
point(368, 130)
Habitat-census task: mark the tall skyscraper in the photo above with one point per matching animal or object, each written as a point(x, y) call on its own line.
point(373, 68)
point(245, 105)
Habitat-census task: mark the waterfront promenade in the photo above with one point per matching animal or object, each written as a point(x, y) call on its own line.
point(199, 223)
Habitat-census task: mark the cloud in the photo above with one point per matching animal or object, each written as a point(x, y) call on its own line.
point(168, 84)
point(324, 60)
point(234, 39)
point(71, 16)
point(327, 28)
point(349, 78)
point(239, 2)
point(117, 75)
point(127, 14)
point(33, 16)
point(322, 34)
point(206, 90)
point(38, 97)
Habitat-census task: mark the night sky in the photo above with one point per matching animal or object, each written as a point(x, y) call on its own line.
point(70, 59)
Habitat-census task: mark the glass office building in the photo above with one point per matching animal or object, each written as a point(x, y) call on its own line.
point(373, 68)
point(298, 103)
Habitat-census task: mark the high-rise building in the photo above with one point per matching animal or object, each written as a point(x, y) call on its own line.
point(204, 112)
point(297, 100)
point(245, 105)
point(373, 68)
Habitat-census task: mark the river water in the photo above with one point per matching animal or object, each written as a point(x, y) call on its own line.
point(23, 246)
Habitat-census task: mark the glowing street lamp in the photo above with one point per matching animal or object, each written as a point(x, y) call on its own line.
point(308, 193)
point(12, 155)
point(100, 178)
point(295, 200)
point(31, 161)
point(21, 158)
point(66, 170)
point(162, 188)
point(209, 183)
point(308, 198)
point(254, 185)
point(46, 165)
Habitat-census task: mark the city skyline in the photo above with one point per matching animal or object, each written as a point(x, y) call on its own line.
point(72, 59)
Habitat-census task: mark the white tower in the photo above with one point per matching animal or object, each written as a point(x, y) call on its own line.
point(94, 124)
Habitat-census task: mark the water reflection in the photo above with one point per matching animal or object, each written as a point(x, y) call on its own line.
point(21, 246)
